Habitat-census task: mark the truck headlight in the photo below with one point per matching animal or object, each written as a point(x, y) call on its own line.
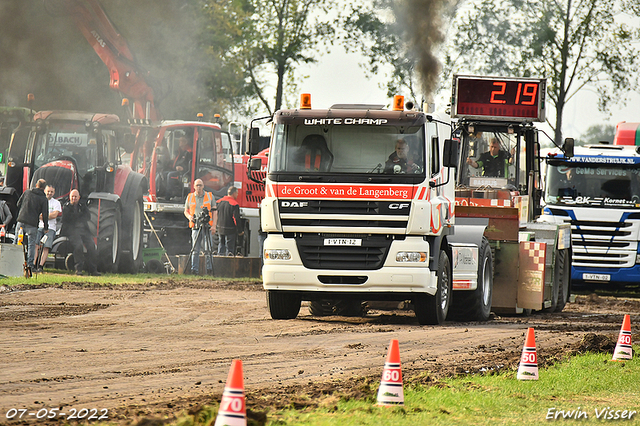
point(277, 254)
point(411, 256)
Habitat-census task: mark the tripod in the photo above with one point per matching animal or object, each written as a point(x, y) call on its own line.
point(204, 231)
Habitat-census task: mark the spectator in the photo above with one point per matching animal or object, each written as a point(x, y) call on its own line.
point(228, 222)
point(200, 232)
point(75, 216)
point(5, 216)
point(55, 210)
point(31, 206)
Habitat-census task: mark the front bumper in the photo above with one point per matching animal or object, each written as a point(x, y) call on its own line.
point(393, 277)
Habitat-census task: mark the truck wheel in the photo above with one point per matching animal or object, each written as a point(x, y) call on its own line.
point(105, 223)
point(563, 267)
point(432, 310)
point(283, 305)
point(133, 225)
point(476, 305)
point(345, 308)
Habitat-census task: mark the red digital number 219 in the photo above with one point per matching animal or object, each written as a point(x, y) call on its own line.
point(527, 92)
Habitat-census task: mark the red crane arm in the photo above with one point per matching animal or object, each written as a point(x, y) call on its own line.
point(126, 76)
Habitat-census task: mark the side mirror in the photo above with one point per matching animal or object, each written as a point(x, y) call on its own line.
point(254, 140)
point(255, 164)
point(567, 147)
point(450, 153)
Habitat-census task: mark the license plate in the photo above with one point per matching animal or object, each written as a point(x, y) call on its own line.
point(342, 242)
point(596, 277)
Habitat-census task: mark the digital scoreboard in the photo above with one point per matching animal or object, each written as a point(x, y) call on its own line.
point(498, 98)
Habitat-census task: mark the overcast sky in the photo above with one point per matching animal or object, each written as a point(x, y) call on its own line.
point(337, 78)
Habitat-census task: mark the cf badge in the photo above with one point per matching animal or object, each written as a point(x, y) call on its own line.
point(398, 206)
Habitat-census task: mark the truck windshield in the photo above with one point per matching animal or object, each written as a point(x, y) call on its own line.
point(490, 159)
point(66, 140)
point(349, 150)
point(592, 185)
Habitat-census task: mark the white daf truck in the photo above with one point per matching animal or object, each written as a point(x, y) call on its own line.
point(360, 206)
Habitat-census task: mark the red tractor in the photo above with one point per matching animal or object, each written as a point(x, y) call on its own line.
point(87, 152)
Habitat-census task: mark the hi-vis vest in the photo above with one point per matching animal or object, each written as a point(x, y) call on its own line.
point(191, 202)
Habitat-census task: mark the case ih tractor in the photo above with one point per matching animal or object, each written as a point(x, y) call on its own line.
point(84, 151)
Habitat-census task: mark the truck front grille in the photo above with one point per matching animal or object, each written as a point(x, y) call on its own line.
point(368, 256)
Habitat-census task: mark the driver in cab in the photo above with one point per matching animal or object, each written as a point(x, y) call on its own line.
point(401, 160)
point(495, 162)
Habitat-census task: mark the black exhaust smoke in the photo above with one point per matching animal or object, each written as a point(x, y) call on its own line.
point(426, 26)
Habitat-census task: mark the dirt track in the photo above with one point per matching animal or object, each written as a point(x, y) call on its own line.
point(155, 350)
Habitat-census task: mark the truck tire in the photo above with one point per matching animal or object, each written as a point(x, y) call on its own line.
point(346, 308)
point(476, 305)
point(432, 310)
point(283, 305)
point(133, 226)
point(563, 267)
point(105, 224)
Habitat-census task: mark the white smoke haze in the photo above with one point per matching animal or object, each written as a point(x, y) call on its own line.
point(47, 55)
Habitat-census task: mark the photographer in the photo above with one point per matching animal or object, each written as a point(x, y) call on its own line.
point(197, 210)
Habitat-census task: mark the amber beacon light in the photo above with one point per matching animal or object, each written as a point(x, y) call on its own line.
point(398, 103)
point(305, 101)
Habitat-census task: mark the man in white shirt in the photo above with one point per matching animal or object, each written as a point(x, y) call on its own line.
point(55, 210)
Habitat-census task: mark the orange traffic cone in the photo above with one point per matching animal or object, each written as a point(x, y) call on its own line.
point(390, 392)
point(623, 349)
point(528, 369)
point(232, 410)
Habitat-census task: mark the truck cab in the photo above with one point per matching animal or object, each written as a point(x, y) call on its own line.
point(358, 205)
point(597, 192)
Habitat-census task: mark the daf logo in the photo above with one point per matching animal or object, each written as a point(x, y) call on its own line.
point(294, 203)
point(398, 206)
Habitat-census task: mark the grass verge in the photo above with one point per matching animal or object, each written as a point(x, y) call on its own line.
point(589, 389)
point(54, 276)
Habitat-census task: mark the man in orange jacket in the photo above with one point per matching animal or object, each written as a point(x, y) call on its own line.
point(196, 202)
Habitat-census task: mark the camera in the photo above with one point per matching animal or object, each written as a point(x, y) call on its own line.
point(202, 219)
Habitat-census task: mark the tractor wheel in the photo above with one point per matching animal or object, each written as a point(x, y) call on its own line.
point(476, 305)
point(282, 304)
point(432, 310)
point(133, 226)
point(105, 223)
